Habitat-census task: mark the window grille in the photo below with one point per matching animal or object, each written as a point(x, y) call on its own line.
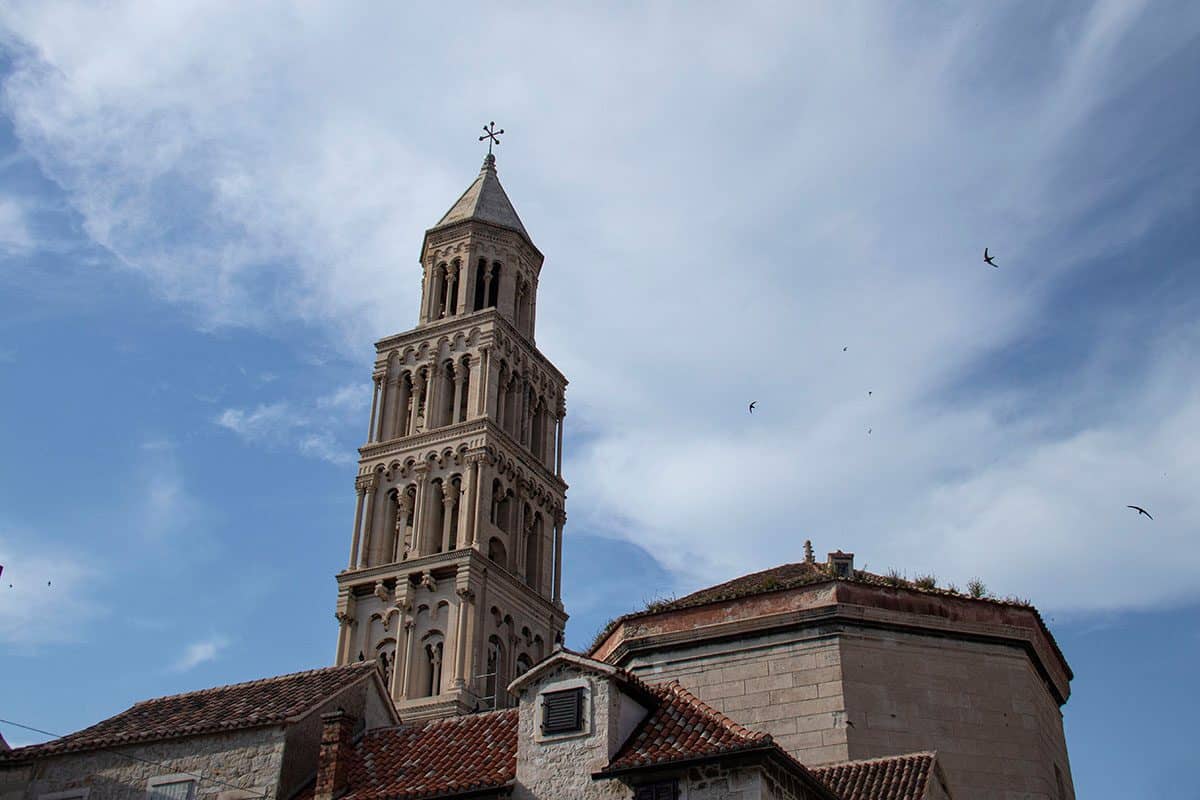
point(175, 790)
point(562, 712)
point(661, 790)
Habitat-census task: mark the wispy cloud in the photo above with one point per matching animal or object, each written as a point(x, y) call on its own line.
point(198, 653)
point(15, 234)
point(314, 430)
point(852, 167)
point(46, 592)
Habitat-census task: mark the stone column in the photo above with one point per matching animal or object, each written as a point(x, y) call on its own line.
point(400, 683)
point(465, 596)
point(452, 289)
point(466, 508)
point(460, 375)
point(369, 509)
point(560, 520)
point(487, 284)
point(419, 511)
point(482, 489)
point(532, 307)
point(346, 623)
point(431, 395)
point(449, 499)
point(360, 490)
point(375, 379)
point(484, 382)
point(417, 390)
point(403, 512)
point(518, 542)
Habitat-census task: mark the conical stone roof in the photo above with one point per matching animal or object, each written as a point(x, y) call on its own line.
point(485, 200)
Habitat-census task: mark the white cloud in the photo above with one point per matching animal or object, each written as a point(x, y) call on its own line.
point(312, 429)
point(45, 595)
point(15, 235)
point(198, 653)
point(726, 199)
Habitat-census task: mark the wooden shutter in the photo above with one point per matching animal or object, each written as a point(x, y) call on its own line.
point(562, 711)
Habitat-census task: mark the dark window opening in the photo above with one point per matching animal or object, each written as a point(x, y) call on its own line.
point(659, 790)
point(562, 712)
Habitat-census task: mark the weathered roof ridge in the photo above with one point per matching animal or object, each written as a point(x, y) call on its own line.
point(357, 666)
point(237, 706)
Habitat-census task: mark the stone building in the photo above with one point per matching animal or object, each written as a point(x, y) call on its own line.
point(256, 739)
point(455, 570)
point(839, 664)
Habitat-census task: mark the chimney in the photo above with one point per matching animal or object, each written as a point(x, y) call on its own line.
point(333, 763)
point(842, 564)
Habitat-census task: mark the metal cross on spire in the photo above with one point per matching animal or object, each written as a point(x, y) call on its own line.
point(491, 134)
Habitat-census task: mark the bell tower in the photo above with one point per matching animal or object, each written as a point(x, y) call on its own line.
point(455, 571)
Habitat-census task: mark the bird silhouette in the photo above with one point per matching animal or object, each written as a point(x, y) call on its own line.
point(1140, 510)
point(868, 430)
point(752, 405)
point(844, 349)
point(989, 259)
point(868, 393)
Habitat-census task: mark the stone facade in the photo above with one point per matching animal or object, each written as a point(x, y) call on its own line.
point(840, 670)
point(455, 571)
point(251, 760)
point(266, 761)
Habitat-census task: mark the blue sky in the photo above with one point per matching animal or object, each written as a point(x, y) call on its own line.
point(209, 212)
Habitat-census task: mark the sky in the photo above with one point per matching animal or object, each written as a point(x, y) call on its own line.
point(210, 211)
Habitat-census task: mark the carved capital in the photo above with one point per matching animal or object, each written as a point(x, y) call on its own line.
point(345, 619)
point(365, 483)
point(465, 595)
point(381, 591)
point(427, 580)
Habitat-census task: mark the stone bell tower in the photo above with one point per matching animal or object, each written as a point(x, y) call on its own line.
point(454, 580)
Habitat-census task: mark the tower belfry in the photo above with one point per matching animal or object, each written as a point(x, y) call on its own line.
point(454, 580)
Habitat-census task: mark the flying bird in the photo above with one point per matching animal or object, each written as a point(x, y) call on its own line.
point(989, 259)
point(868, 393)
point(752, 405)
point(844, 349)
point(1140, 510)
point(868, 430)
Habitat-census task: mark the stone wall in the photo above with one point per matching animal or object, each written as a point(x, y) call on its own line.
point(247, 759)
point(787, 684)
point(983, 707)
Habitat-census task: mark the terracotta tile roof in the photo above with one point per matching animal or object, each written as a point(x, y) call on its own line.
point(903, 777)
point(681, 727)
point(440, 757)
point(269, 701)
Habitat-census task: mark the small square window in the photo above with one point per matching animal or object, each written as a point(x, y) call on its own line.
point(171, 787)
point(659, 790)
point(562, 712)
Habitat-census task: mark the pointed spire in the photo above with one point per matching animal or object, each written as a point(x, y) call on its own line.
point(485, 200)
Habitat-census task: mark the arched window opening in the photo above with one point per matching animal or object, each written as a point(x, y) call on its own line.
point(387, 553)
point(385, 655)
point(519, 305)
point(437, 518)
point(496, 551)
point(440, 288)
point(446, 412)
point(494, 285)
point(406, 502)
point(482, 284)
point(493, 676)
point(524, 664)
point(464, 369)
point(494, 506)
point(511, 396)
point(455, 510)
point(428, 680)
point(504, 514)
point(533, 550)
